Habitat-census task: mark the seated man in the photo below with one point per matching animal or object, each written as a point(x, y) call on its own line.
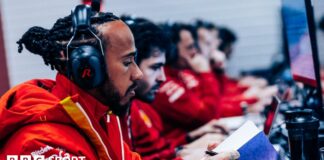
point(251, 87)
point(188, 98)
point(235, 94)
point(231, 96)
point(77, 114)
point(146, 126)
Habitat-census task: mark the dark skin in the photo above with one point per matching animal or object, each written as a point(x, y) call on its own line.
point(119, 88)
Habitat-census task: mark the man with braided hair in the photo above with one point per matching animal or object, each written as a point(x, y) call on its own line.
point(61, 119)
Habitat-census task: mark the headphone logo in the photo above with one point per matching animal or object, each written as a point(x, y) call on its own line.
point(86, 73)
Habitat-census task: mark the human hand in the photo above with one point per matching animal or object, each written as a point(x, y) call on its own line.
point(229, 155)
point(212, 126)
point(202, 142)
point(259, 106)
point(252, 81)
point(198, 63)
point(269, 91)
point(218, 59)
point(261, 93)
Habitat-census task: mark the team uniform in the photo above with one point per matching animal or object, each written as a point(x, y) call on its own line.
point(58, 119)
point(186, 100)
point(232, 96)
point(147, 139)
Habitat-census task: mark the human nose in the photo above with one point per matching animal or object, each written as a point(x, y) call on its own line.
point(161, 77)
point(136, 74)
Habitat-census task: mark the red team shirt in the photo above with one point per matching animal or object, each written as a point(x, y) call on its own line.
point(147, 137)
point(186, 101)
point(232, 96)
point(57, 119)
point(44, 117)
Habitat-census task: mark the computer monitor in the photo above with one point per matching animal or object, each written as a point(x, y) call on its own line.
point(299, 32)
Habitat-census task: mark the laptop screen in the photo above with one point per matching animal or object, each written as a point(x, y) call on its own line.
point(271, 115)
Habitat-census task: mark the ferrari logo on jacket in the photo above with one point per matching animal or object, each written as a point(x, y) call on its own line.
point(145, 118)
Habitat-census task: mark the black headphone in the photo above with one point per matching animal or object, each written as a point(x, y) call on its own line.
point(86, 64)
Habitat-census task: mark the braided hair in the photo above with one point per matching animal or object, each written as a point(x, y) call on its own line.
point(49, 43)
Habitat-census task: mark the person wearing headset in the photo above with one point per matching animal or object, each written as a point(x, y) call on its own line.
point(76, 115)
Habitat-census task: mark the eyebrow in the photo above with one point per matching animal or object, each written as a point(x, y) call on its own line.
point(158, 64)
point(131, 54)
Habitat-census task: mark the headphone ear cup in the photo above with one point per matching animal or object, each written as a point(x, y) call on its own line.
point(87, 67)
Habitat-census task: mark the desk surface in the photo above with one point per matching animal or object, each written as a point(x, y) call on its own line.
point(233, 123)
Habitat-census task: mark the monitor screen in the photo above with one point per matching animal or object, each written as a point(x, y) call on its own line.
point(300, 37)
point(299, 42)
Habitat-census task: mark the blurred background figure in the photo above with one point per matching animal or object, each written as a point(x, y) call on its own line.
point(228, 39)
point(189, 96)
point(145, 124)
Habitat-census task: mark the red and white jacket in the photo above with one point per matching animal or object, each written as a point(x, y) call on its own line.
point(186, 100)
point(147, 128)
point(232, 96)
point(58, 119)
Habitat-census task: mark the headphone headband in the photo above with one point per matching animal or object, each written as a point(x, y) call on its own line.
point(81, 16)
point(86, 65)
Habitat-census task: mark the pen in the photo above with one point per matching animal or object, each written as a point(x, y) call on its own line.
point(211, 153)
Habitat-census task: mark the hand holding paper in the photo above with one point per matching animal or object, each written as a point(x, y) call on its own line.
point(250, 142)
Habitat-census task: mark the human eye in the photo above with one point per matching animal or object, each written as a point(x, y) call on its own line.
point(156, 67)
point(127, 62)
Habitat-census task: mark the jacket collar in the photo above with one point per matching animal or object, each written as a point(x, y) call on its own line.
point(65, 87)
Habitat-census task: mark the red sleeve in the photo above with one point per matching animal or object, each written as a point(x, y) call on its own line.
point(53, 140)
point(48, 140)
point(187, 108)
point(230, 108)
point(210, 92)
point(232, 97)
point(129, 155)
point(231, 105)
point(229, 86)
